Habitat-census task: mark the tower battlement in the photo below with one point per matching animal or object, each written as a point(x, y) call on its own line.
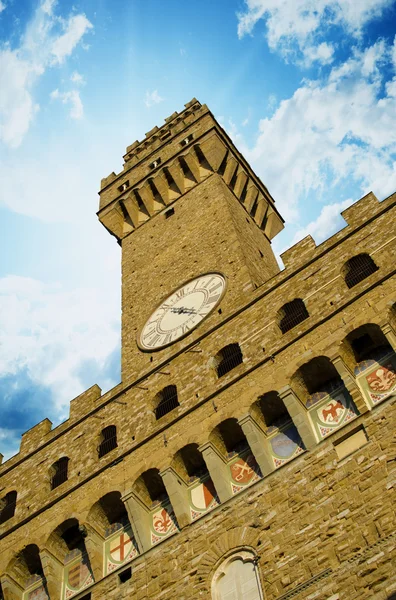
point(172, 160)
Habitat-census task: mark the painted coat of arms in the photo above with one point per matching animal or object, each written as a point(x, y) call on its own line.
point(381, 383)
point(377, 376)
point(333, 413)
point(120, 547)
point(203, 498)
point(163, 524)
point(78, 573)
point(285, 445)
point(244, 471)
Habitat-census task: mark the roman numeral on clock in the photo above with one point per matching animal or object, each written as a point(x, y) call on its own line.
point(213, 299)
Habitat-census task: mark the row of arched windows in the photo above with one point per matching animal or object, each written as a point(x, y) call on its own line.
point(364, 349)
point(150, 511)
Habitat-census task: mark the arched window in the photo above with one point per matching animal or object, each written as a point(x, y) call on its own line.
point(228, 358)
point(291, 314)
point(7, 506)
point(237, 578)
point(108, 440)
point(358, 268)
point(59, 472)
point(166, 401)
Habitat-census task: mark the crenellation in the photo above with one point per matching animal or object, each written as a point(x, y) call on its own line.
point(35, 436)
point(84, 403)
point(299, 254)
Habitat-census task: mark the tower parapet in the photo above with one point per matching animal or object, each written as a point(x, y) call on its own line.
point(172, 160)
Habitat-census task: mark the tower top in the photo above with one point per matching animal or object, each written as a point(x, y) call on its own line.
point(171, 160)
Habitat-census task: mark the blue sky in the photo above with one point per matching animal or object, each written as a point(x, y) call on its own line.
point(307, 90)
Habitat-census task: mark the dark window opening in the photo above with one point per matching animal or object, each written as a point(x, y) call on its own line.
point(109, 440)
point(358, 268)
point(232, 436)
point(273, 410)
point(169, 213)
point(156, 163)
point(124, 186)
point(125, 575)
point(59, 472)
point(8, 506)
point(186, 140)
point(167, 401)
point(228, 358)
point(292, 314)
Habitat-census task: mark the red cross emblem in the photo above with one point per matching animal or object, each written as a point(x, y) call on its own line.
point(120, 547)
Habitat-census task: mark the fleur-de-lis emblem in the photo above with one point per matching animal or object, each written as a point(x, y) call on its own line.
point(161, 521)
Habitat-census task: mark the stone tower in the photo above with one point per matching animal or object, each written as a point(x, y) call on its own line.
point(186, 203)
point(248, 451)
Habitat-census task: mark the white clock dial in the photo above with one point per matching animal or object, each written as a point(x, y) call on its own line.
point(182, 311)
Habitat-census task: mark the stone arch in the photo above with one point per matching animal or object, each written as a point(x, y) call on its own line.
point(371, 358)
point(66, 554)
point(270, 410)
point(189, 463)
point(321, 390)
point(107, 511)
point(150, 487)
point(238, 538)
point(25, 573)
point(228, 437)
point(363, 343)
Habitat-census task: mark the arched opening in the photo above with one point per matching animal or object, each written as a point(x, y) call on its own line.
point(8, 506)
point(228, 358)
point(372, 359)
point(190, 465)
point(230, 440)
point(237, 578)
point(357, 268)
point(27, 571)
point(321, 389)
point(273, 411)
point(291, 314)
point(67, 544)
point(59, 472)
point(159, 516)
point(284, 440)
point(108, 440)
point(229, 437)
point(166, 401)
point(109, 517)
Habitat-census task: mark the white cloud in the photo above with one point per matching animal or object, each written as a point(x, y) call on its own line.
point(77, 78)
point(328, 222)
point(51, 332)
point(73, 98)
point(329, 132)
point(2, 6)
point(41, 46)
point(75, 29)
point(299, 25)
point(152, 98)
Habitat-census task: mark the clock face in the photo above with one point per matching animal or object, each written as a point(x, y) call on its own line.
point(182, 311)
